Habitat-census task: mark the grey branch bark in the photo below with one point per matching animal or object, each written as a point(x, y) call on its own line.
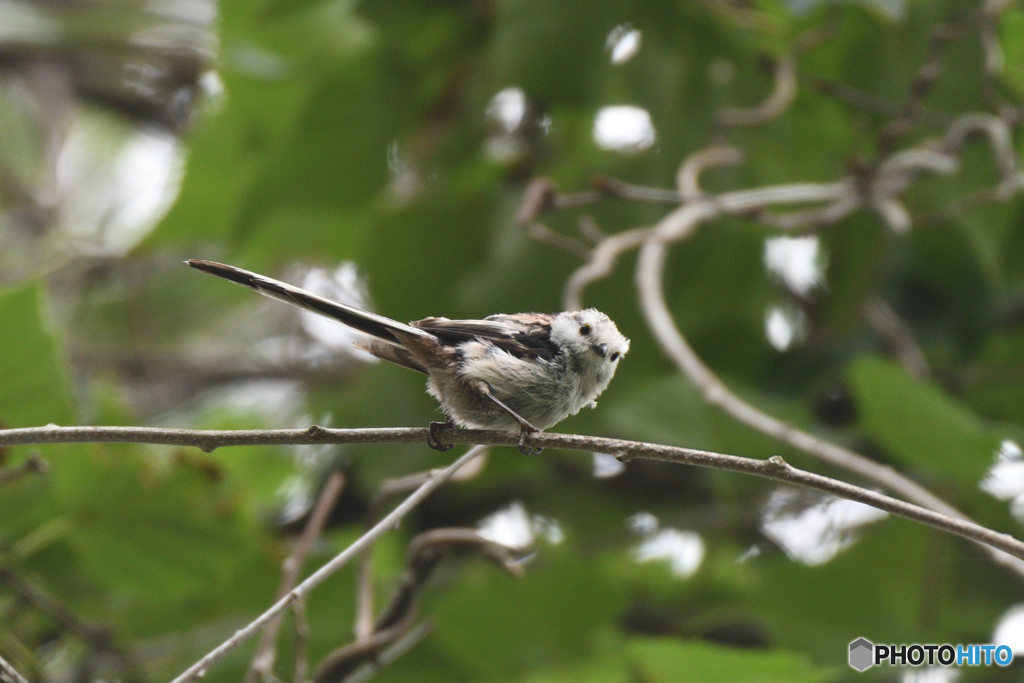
point(774, 468)
point(9, 674)
point(263, 661)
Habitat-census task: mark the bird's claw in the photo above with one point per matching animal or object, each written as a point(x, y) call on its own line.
point(525, 430)
point(432, 439)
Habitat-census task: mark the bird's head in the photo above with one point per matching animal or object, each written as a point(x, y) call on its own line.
point(590, 337)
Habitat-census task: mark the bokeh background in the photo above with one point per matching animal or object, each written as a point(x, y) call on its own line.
point(379, 153)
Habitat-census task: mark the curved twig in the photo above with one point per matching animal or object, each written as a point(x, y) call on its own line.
point(650, 267)
point(782, 96)
point(894, 176)
point(602, 260)
point(842, 195)
point(688, 178)
point(997, 132)
point(364, 624)
point(425, 553)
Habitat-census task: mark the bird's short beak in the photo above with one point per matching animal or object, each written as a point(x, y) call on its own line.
point(600, 349)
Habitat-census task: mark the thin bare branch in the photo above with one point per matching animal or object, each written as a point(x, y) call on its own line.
point(896, 173)
point(8, 674)
point(602, 260)
point(589, 229)
point(389, 522)
point(650, 267)
point(263, 660)
point(876, 103)
point(897, 335)
point(392, 652)
point(925, 78)
point(990, 13)
point(538, 197)
point(959, 206)
point(364, 621)
point(675, 225)
point(623, 449)
point(424, 555)
point(99, 638)
point(209, 439)
point(613, 187)
point(301, 641)
point(782, 96)
point(346, 661)
point(688, 178)
point(543, 233)
point(362, 629)
point(34, 463)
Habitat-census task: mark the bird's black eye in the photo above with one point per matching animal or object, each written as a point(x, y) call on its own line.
point(585, 330)
point(614, 357)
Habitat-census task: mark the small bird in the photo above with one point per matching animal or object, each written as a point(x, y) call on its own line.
point(529, 370)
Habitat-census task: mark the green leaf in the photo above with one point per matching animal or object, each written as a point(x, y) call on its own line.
point(495, 625)
point(919, 423)
point(1011, 39)
point(150, 532)
point(602, 671)
point(671, 410)
point(662, 660)
point(33, 389)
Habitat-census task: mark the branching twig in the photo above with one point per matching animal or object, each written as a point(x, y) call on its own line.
point(263, 660)
point(602, 260)
point(891, 178)
point(1000, 137)
point(876, 103)
point(927, 74)
point(613, 187)
point(390, 521)
point(364, 626)
point(650, 267)
point(688, 178)
point(98, 638)
point(542, 233)
point(34, 463)
point(425, 553)
point(606, 252)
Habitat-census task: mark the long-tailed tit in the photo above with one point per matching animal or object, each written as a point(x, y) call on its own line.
point(529, 370)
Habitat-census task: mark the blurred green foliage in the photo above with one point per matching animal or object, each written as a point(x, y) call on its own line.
point(359, 132)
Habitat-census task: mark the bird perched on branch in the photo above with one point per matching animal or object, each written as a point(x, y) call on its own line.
point(529, 370)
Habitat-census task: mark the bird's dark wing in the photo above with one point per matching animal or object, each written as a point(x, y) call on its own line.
point(524, 335)
point(377, 326)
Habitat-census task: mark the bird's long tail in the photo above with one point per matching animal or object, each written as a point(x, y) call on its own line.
point(376, 326)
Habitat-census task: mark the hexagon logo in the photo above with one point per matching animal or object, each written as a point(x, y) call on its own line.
point(862, 654)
